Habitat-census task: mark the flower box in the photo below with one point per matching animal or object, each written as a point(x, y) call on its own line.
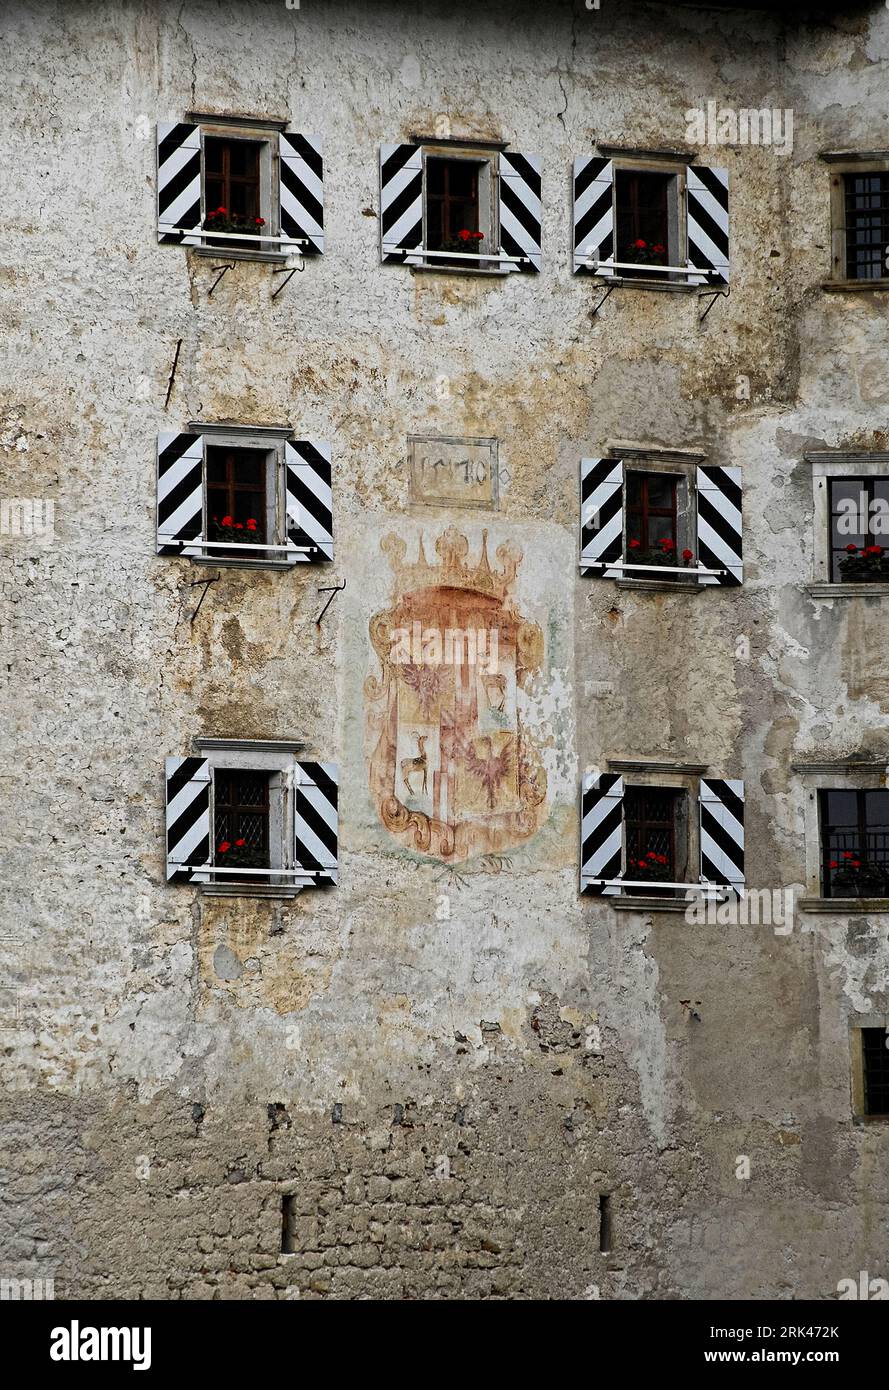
point(662, 554)
point(852, 877)
point(227, 529)
point(867, 563)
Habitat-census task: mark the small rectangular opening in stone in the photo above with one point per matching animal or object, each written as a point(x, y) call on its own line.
point(604, 1223)
point(288, 1215)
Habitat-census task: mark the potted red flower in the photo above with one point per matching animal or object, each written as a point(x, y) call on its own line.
point(651, 867)
point(863, 563)
point(238, 855)
point(664, 553)
point(464, 241)
point(854, 877)
point(221, 220)
point(227, 529)
point(647, 252)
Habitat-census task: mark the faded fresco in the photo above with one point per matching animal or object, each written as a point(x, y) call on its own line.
point(455, 772)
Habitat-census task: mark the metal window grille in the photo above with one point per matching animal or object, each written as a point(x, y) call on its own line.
point(867, 226)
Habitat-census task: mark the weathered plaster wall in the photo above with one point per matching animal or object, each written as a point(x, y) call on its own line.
point(161, 1095)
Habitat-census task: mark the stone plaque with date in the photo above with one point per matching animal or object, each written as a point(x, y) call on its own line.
point(447, 471)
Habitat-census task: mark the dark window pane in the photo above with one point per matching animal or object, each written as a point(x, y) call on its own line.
point(650, 818)
point(867, 225)
point(876, 810)
point(841, 808)
point(661, 490)
point(660, 528)
point(641, 214)
point(876, 1070)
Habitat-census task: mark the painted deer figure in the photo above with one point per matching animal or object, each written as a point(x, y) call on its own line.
point(418, 764)
point(495, 690)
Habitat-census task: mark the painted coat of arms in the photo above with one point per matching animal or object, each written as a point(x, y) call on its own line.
point(454, 771)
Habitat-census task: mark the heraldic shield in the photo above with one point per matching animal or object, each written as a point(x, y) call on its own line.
point(454, 771)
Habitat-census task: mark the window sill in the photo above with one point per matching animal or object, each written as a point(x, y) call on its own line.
point(823, 589)
point(669, 286)
point(840, 906)
point(248, 890)
point(498, 273)
point(220, 253)
point(870, 1119)
point(209, 563)
point(660, 586)
point(855, 286)
point(628, 902)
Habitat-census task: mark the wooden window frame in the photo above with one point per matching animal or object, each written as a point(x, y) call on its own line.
point(867, 482)
point(487, 160)
point(269, 162)
point(824, 852)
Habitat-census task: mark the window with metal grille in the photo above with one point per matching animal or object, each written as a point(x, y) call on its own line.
point(650, 825)
point(237, 499)
point(452, 205)
point(859, 517)
point(867, 225)
point(875, 1064)
point(231, 182)
point(642, 218)
point(241, 819)
point(854, 843)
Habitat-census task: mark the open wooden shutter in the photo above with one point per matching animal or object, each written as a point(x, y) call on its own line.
point(601, 836)
point(188, 818)
point(401, 203)
point(301, 191)
point(601, 516)
point(178, 181)
point(720, 524)
point(519, 196)
point(309, 498)
point(315, 825)
point(706, 193)
point(593, 213)
point(180, 493)
point(722, 832)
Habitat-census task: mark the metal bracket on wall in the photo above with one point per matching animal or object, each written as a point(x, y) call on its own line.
point(222, 269)
point(333, 590)
point(722, 293)
point(173, 372)
point(289, 272)
point(610, 290)
point(206, 583)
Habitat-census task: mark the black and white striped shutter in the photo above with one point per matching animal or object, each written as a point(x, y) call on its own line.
point(180, 493)
point(178, 181)
point(188, 818)
point(593, 213)
point(708, 228)
point(722, 832)
point(520, 213)
point(720, 537)
point(401, 203)
point(601, 516)
point(601, 834)
point(315, 820)
point(309, 498)
point(301, 191)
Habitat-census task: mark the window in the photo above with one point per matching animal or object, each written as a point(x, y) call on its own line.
point(651, 514)
point(231, 183)
point(859, 529)
point(642, 209)
point(866, 202)
point(238, 498)
point(643, 203)
point(455, 207)
point(241, 819)
point(246, 816)
point(655, 516)
point(875, 1070)
point(651, 818)
point(639, 834)
point(859, 211)
point(231, 495)
point(258, 187)
point(452, 206)
point(854, 843)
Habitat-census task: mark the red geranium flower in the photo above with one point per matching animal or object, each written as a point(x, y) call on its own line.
point(464, 235)
point(687, 555)
point(856, 863)
point(847, 854)
point(873, 550)
point(651, 854)
point(251, 524)
point(260, 221)
point(225, 847)
point(667, 544)
point(851, 548)
point(833, 864)
point(634, 545)
point(239, 525)
point(640, 245)
point(659, 250)
point(228, 521)
point(239, 843)
point(479, 236)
